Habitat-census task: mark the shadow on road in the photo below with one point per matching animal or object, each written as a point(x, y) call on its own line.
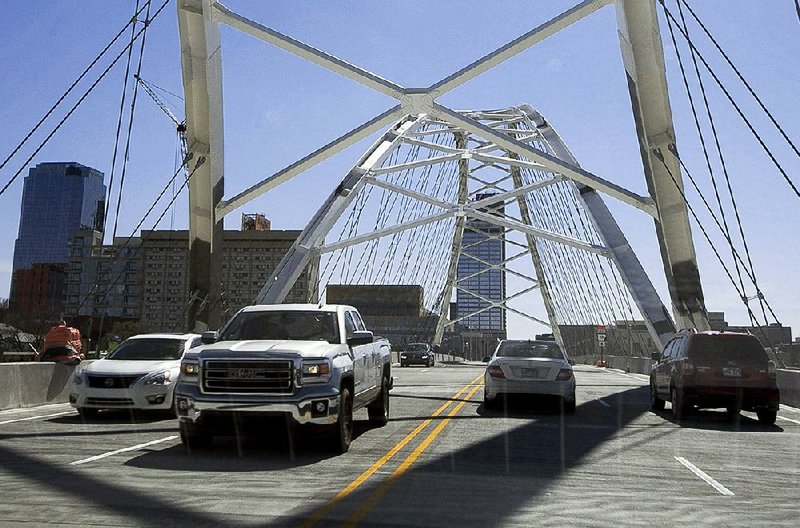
point(268, 447)
point(486, 483)
point(118, 416)
point(719, 420)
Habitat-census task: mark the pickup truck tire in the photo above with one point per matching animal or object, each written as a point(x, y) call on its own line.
point(193, 437)
point(87, 413)
point(343, 428)
point(379, 409)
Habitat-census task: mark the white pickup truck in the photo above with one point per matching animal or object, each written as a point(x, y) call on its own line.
point(314, 363)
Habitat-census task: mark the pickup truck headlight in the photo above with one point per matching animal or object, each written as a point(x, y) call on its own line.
point(190, 370)
point(77, 379)
point(316, 371)
point(158, 378)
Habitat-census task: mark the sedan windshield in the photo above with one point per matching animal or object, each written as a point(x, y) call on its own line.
point(293, 325)
point(149, 350)
point(417, 347)
point(530, 349)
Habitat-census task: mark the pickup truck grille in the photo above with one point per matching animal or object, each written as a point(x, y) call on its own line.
point(272, 376)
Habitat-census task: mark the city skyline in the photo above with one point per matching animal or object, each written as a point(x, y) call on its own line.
point(577, 81)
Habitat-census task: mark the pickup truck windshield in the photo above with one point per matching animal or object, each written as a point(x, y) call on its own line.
point(293, 325)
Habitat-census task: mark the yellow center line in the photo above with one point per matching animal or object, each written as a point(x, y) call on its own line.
point(385, 485)
point(350, 488)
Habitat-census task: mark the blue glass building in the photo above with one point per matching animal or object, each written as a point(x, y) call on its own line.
point(58, 199)
point(482, 247)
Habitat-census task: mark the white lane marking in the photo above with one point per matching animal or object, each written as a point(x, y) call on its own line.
point(788, 408)
point(124, 450)
point(789, 420)
point(703, 475)
point(36, 417)
point(637, 377)
point(604, 403)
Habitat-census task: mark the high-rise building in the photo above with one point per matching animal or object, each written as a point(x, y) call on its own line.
point(58, 199)
point(146, 278)
point(480, 275)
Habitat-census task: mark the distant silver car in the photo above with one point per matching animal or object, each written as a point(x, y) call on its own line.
point(139, 374)
point(529, 367)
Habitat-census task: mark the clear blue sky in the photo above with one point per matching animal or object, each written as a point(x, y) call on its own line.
point(279, 108)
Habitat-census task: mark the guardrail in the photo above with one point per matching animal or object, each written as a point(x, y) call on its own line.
point(31, 384)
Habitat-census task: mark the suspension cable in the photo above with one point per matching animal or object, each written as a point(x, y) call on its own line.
point(726, 229)
point(734, 203)
point(120, 115)
point(657, 152)
point(739, 111)
point(125, 156)
point(740, 76)
point(74, 107)
point(69, 90)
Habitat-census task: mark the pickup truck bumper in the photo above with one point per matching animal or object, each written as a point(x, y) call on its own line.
point(319, 407)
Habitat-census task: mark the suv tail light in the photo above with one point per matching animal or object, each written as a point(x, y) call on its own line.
point(564, 375)
point(495, 371)
point(772, 370)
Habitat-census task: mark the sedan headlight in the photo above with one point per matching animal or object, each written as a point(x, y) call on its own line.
point(316, 371)
point(190, 370)
point(158, 378)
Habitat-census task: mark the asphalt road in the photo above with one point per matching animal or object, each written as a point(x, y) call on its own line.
point(441, 461)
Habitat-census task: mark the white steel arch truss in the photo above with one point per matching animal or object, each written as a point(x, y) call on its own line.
point(494, 131)
point(463, 181)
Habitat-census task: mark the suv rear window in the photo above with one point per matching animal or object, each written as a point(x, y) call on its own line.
point(717, 349)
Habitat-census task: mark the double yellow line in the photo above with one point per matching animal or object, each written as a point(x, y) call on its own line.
point(371, 501)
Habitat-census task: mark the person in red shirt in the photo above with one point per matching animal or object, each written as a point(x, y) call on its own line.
point(62, 344)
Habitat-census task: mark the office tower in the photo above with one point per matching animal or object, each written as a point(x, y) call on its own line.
point(58, 199)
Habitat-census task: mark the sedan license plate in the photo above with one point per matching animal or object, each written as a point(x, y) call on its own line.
point(529, 373)
point(732, 372)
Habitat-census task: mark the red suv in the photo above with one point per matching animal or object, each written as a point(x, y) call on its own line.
point(715, 369)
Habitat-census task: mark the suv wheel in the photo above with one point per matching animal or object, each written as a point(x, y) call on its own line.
point(678, 406)
point(379, 409)
point(767, 416)
point(343, 428)
point(656, 403)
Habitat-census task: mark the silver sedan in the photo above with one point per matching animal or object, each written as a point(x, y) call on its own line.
point(529, 367)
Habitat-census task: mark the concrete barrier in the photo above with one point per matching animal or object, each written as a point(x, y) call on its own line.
point(31, 384)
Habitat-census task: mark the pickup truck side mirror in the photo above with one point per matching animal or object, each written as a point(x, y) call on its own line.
point(655, 356)
point(486, 359)
point(360, 337)
point(208, 337)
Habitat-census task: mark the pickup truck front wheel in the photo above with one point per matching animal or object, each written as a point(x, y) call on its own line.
point(343, 428)
point(193, 437)
point(379, 409)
